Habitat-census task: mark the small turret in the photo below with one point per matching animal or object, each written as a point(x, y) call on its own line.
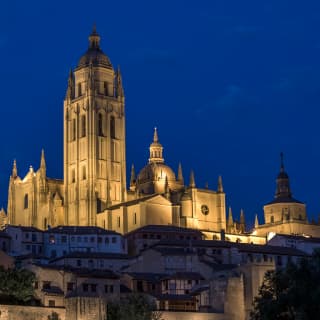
point(156, 149)
point(230, 221)
point(133, 179)
point(220, 185)
point(14, 173)
point(120, 91)
point(242, 222)
point(180, 174)
point(43, 167)
point(192, 183)
point(256, 222)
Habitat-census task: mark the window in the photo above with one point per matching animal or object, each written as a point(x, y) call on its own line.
point(105, 87)
point(83, 126)
point(73, 175)
point(27, 235)
point(92, 239)
point(52, 239)
point(79, 90)
point(45, 223)
point(114, 239)
point(26, 200)
point(111, 288)
point(90, 264)
point(99, 240)
point(52, 303)
point(134, 218)
point(272, 219)
point(70, 286)
point(73, 130)
point(106, 240)
point(100, 125)
point(99, 205)
point(36, 284)
point(79, 263)
point(85, 239)
point(84, 173)
point(94, 288)
point(46, 285)
point(119, 222)
point(63, 239)
point(85, 287)
point(53, 253)
point(112, 127)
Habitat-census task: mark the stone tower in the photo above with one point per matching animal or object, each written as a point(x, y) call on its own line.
point(94, 137)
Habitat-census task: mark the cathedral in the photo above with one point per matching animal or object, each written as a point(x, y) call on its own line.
point(94, 190)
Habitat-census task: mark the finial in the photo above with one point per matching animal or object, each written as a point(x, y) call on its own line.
point(192, 183)
point(94, 38)
point(14, 169)
point(43, 163)
point(220, 186)
point(94, 28)
point(206, 186)
point(256, 222)
point(155, 135)
point(281, 162)
point(133, 176)
point(230, 218)
point(242, 220)
point(120, 91)
point(180, 174)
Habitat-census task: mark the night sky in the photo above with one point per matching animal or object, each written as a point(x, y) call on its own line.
point(229, 84)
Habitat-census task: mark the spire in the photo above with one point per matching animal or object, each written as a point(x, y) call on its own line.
point(132, 178)
point(192, 183)
point(283, 184)
point(156, 149)
point(256, 222)
point(120, 91)
point(43, 166)
point(180, 174)
point(94, 38)
point(230, 218)
point(14, 169)
point(155, 135)
point(242, 221)
point(220, 186)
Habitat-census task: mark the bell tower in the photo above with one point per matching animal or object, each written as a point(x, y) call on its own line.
point(94, 137)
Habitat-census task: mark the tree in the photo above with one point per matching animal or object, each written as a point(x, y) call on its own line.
point(290, 293)
point(16, 285)
point(134, 307)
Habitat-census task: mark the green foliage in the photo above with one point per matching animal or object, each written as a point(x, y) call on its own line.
point(290, 293)
point(133, 307)
point(54, 316)
point(16, 285)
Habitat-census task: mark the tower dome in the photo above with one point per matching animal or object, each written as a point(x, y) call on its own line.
point(94, 54)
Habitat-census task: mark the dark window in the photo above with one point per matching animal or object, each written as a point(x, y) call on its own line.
point(84, 173)
point(272, 219)
point(83, 126)
point(73, 132)
point(79, 90)
point(99, 239)
point(52, 303)
point(64, 239)
point(112, 127)
point(139, 286)
point(70, 286)
point(111, 288)
point(53, 253)
point(26, 200)
point(94, 288)
point(265, 257)
point(27, 235)
point(85, 287)
point(99, 205)
point(106, 240)
point(105, 87)
point(100, 125)
point(79, 263)
point(279, 260)
point(46, 285)
point(36, 284)
point(114, 239)
point(91, 239)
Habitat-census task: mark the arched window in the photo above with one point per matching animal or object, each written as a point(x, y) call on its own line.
point(272, 219)
point(26, 201)
point(100, 125)
point(105, 87)
point(83, 126)
point(112, 127)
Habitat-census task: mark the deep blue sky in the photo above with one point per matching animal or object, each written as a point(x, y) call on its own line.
point(229, 84)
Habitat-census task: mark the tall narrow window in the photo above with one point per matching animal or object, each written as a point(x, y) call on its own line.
point(100, 125)
point(119, 222)
point(99, 205)
point(26, 201)
point(135, 218)
point(73, 176)
point(112, 127)
point(83, 126)
point(73, 133)
point(84, 173)
point(79, 90)
point(105, 87)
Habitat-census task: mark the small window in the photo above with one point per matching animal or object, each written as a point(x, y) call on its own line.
point(83, 126)
point(63, 239)
point(105, 87)
point(99, 240)
point(92, 239)
point(26, 201)
point(46, 285)
point(106, 240)
point(134, 218)
point(100, 125)
point(94, 288)
point(272, 219)
point(111, 288)
point(73, 176)
point(36, 284)
point(79, 263)
point(112, 127)
point(52, 303)
point(79, 89)
point(114, 239)
point(70, 286)
point(73, 132)
point(84, 173)
point(85, 287)
point(119, 222)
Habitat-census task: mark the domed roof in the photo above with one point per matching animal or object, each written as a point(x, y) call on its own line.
point(155, 171)
point(94, 54)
